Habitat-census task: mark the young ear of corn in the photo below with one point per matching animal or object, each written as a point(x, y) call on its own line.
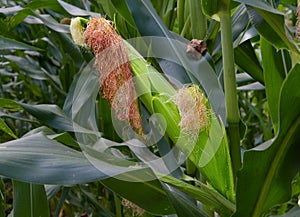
point(207, 148)
point(191, 124)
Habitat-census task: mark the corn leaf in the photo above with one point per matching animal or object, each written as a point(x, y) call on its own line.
point(183, 206)
point(274, 73)
point(270, 24)
point(273, 162)
point(203, 194)
point(29, 200)
point(246, 59)
point(11, 44)
point(6, 129)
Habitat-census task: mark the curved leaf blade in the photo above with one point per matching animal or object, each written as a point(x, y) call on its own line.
point(183, 206)
point(154, 198)
point(246, 59)
point(37, 159)
point(6, 129)
point(122, 8)
point(270, 24)
point(274, 74)
point(203, 194)
point(11, 44)
point(272, 162)
point(75, 11)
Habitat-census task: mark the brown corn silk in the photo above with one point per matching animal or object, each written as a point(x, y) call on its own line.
point(193, 110)
point(116, 77)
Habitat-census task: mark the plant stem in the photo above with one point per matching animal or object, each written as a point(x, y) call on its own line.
point(118, 205)
point(180, 15)
point(198, 19)
point(231, 100)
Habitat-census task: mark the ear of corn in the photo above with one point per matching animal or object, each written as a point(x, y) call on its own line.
point(202, 139)
point(191, 124)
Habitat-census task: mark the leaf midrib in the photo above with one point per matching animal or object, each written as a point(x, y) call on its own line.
point(274, 166)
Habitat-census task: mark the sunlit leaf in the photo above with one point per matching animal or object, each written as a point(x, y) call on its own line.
point(275, 71)
point(6, 129)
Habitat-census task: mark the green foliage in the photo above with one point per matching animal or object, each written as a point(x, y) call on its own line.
point(278, 158)
point(29, 200)
point(55, 127)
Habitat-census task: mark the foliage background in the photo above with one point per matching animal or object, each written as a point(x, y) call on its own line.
point(40, 65)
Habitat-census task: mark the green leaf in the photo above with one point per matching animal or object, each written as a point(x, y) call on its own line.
point(11, 44)
point(29, 200)
point(294, 212)
point(46, 19)
point(270, 24)
point(31, 68)
point(37, 159)
point(148, 195)
point(203, 194)
point(50, 115)
point(182, 205)
point(122, 8)
point(10, 104)
point(149, 24)
point(70, 47)
point(6, 129)
point(272, 163)
point(75, 11)
point(289, 2)
point(2, 198)
point(275, 71)
point(49, 4)
point(10, 10)
point(246, 59)
point(98, 208)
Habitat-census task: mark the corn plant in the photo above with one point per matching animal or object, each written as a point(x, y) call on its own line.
point(149, 108)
